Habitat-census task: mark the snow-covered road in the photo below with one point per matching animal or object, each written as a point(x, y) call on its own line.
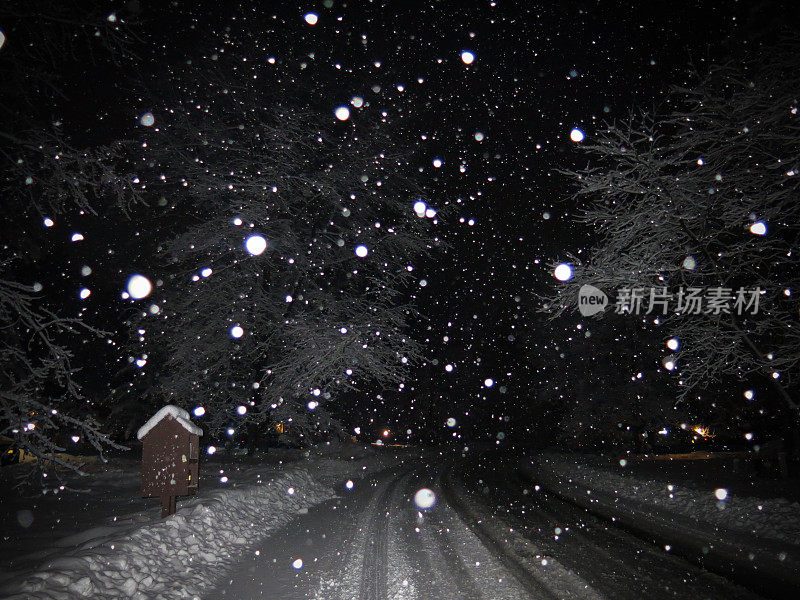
point(484, 538)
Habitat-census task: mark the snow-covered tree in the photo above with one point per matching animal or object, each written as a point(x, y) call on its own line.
point(288, 283)
point(45, 173)
point(704, 195)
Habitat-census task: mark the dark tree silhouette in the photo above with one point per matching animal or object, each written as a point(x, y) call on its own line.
point(705, 196)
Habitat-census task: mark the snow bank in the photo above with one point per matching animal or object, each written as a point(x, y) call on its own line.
point(776, 518)
point(181, 556)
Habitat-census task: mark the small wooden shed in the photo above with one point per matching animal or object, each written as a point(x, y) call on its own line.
point(170, 453)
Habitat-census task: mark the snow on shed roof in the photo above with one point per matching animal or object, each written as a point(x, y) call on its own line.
point(180, 415)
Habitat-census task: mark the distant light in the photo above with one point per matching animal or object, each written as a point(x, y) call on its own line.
point(211, 449)
point(425, 498)
point(563, 272)
point(255, 244)
point(139, 287)
point(298, 562)
point(758, 228)
point(468, 57)
point(85, 293)
point(488, 382)
point(48, 222)
point(342, 113)
point(147, 119)
point(77, 237)
point(721, 493)
point(673, 343)
point(749, 394)
point(576, 135)
point(199, 411)
point(236, 331)
point(241, 410)
point(357, 101)
point(451, 422)
point(311, 18)
point(361, 251)
point(689, 263)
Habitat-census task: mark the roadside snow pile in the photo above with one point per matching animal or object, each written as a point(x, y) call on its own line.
point(181, 556)
point(776, 518)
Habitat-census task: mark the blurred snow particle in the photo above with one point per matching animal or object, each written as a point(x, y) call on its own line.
point(211, 450)
point(451, 422)
point(86, 270)
point(25, 518)
point(349, 484)
point(749, 394)
point(425, 498)
point(758, 228)
point(297, 564)
point(237, 331)
point(721, 493)
point(342, 113)
point(77, 237)
point(488, 382)
point(85, 293)
point(468, 57)
point(357, 101)
point(673, 343)
point(199, 411)
point(563, 272)
point(437, 162)
point(147, 119)
point(255, 244)
point(241, 410)
point(419, 208)
point(361, 251)
point(576, 135)
point(48, 222)
point(311, 19)
point(689, 263)
point(139, 287)
point(478, 136)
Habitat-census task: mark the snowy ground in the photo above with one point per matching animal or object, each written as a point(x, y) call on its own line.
point(772, 518)
point(116, 546)
point(350, 526)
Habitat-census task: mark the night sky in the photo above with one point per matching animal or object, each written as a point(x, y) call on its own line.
point(539, 71)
